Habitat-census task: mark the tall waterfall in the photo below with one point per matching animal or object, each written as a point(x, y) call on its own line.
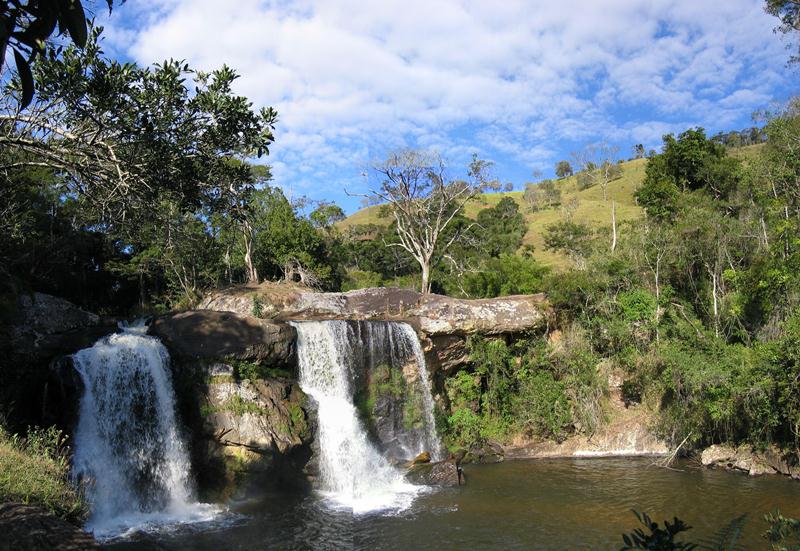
point(352, 471)
point(127, 448)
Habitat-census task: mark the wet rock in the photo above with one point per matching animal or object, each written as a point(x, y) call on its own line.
point(424, 457)
point(491, 452)
point(750, 461)
point(442, 473)
point(202, 334)
point(33, 528)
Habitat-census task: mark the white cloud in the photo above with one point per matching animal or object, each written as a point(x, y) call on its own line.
point(513, 80)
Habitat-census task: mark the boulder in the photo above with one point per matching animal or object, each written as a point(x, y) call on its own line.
point(424, 457)
point(490, 452)
point(43, 327)
point(34, 529)
point(204, 334)
point(442, 473)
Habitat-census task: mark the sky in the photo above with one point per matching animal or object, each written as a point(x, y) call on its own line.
point(520, 83)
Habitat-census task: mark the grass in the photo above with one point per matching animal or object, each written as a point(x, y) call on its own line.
point(35, 470)
point(591, 210)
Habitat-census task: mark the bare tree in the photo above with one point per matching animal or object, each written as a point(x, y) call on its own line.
point(423, 200)
point(598, 163)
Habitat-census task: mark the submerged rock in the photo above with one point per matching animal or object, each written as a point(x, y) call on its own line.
point(442, 473)
point(33, 528)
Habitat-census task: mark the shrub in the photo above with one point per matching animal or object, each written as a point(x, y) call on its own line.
point(465, 428)
point(637, 304)
point(541, 406)
point(506, 275)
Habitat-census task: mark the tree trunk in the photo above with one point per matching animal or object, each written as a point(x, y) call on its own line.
point(716, 307)
point(425, 286)
point(252, 273)
point(658, 295)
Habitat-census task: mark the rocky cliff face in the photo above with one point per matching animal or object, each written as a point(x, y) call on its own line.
point(237, 392)
point(37, 332)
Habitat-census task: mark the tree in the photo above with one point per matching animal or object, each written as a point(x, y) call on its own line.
point(571, 238)
point(423, 200)
point(788, 11)
point(123, 136)
point(326, 215)
point(638, 151)
point(26, 26)
point(502, 228)
point(563, 169)
point(598, 166)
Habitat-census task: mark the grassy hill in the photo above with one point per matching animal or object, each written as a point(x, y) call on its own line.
point(592, 209)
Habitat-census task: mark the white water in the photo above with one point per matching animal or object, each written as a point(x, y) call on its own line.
point(431, 439)
point(352, 472)
point(128, 452)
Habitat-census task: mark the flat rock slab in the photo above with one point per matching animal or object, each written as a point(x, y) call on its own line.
point(32, 528)
point(431, 314)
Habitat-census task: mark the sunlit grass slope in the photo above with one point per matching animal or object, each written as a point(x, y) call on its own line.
point(591, 209)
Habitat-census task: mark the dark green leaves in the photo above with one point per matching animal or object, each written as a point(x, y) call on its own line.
point(26, 27)
point(73, 18)
point(25, 77)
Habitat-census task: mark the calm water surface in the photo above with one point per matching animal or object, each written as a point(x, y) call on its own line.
point(542, 504)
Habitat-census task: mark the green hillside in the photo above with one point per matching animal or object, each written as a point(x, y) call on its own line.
point(591, 208)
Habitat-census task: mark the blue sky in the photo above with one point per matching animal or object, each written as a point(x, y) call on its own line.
point(521, 83)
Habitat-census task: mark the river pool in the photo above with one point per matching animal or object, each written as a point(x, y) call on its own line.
point(538, 504)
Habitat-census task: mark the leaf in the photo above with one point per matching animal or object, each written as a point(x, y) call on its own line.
point(25, 77)
point(74, 19)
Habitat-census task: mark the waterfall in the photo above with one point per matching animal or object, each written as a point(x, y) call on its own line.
point(128, 451)
point(430, 440)
point(352, 470)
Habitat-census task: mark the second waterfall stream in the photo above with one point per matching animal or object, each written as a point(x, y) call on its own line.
point(353, 473)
